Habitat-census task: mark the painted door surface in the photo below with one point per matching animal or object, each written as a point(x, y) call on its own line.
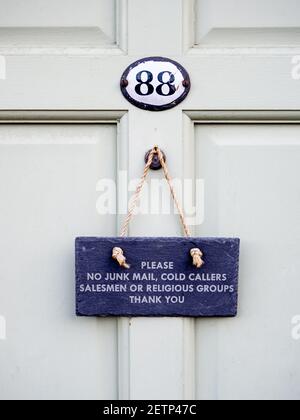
point(233, 145)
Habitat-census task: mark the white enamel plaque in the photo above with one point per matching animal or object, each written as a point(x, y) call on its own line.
point(155, 83)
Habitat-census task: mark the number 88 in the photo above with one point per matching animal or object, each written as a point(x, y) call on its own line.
point(150, 87)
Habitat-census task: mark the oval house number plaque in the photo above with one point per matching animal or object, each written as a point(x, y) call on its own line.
point(155, 83)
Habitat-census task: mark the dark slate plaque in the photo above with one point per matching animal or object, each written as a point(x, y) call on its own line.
point(161, 280)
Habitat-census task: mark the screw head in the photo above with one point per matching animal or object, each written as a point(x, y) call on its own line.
point(124, 83)
point(186, 83)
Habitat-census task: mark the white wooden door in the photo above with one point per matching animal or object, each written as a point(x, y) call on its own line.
point(65, 126)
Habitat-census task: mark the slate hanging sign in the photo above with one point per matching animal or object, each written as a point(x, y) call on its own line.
point(195, 277)
point(161, 279)
point(155, 83)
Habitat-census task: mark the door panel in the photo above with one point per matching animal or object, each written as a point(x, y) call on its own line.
point(251, 175)
point(36, 13)
point(48, 178)
point(214, 15)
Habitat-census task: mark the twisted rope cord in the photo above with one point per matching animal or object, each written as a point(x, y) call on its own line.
point(136, 196)
point(155, 150)
point(173, 193)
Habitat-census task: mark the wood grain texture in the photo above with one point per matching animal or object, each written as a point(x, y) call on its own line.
point(214, 297)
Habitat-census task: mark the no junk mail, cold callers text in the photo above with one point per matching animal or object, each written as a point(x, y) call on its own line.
point(156, 278)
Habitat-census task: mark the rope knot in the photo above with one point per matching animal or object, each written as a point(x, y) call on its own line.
point(118, 255)
point(197, 257)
